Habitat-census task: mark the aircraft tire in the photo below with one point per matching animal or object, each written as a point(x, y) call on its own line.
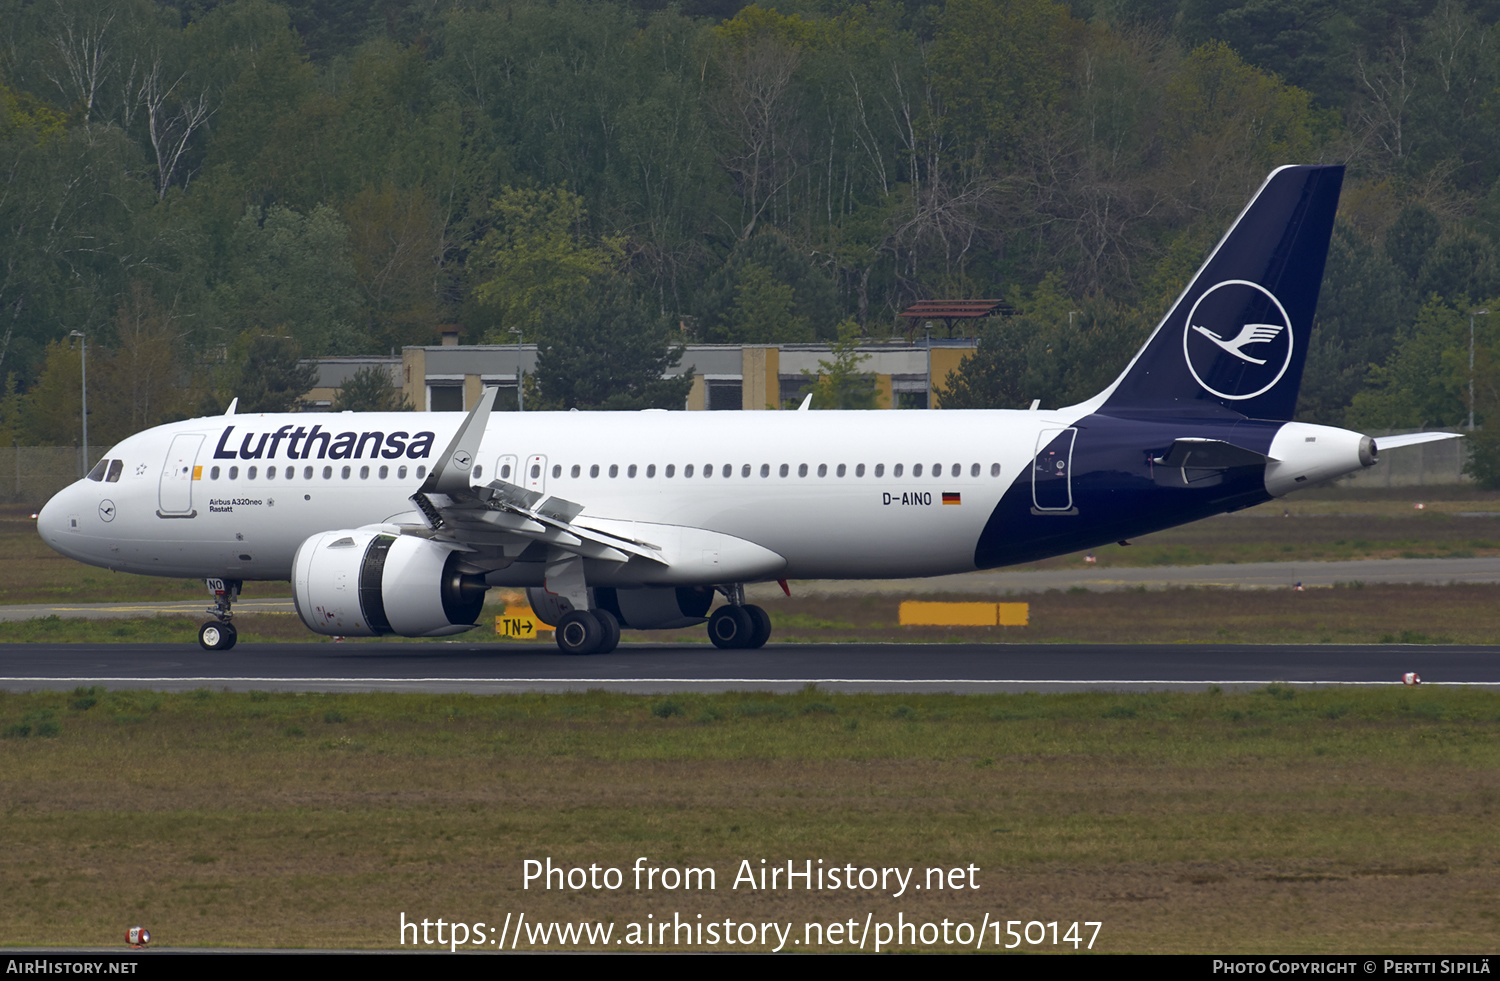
point(580, 632)
point(216, 636)
point(730, 628)
point(611, 627)
point(760, 627)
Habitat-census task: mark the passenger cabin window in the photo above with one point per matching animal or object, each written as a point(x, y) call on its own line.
point(478, 471)
point(556, 470)
point(213, 474)
point(250, 474)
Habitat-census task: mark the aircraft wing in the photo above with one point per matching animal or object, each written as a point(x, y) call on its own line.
point(496, 522)
point(499, 520)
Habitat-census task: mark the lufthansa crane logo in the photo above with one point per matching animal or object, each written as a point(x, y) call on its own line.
point(462, 459)
point(1237, 340)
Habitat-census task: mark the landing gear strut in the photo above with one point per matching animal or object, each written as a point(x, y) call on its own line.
point(219, 634)
point(738, 626)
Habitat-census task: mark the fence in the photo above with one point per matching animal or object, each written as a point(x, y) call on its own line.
point(32, 474)
point(1424, 465)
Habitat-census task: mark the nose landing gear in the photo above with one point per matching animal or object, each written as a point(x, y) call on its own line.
point(219, 634)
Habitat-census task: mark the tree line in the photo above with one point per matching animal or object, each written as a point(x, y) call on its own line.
point(203, 188)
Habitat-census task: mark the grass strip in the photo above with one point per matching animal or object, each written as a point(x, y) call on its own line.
point(1283, 820)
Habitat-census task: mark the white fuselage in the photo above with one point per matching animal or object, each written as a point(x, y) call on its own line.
point(862, 495)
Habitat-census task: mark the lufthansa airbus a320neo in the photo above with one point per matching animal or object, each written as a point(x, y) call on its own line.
point(397, 523)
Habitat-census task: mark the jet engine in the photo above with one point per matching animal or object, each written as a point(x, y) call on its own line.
point(365, 583)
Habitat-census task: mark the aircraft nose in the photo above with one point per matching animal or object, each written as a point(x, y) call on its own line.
point(47, 520)
point(52, 521)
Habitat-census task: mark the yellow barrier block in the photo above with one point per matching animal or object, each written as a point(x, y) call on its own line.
point(915, 613)
point(520, 623)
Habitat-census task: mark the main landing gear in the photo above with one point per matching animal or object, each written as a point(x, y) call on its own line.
point(588, 632)
point(738, 627)
point(219, 634)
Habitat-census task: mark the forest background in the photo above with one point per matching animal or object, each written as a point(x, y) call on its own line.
point(210, 191)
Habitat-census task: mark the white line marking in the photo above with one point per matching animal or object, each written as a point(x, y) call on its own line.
point(775, 681)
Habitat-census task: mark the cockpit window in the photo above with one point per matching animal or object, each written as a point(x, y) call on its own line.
point(99, 470)
point(115, 468)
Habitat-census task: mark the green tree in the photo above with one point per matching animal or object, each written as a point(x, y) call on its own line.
point(767, 292)
point(1424, 381)
point(1364, 304)
point(841, 385)
point(273, 377)
point(537, 258)
point(611, 352)
point(291, 272)
point(1053, 350)
point(370, 390)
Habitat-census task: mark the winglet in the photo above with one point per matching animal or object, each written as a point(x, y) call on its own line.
point(450, 474)
point(232, 403)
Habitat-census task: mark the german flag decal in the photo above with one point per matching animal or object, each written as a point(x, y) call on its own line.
point(951, 498)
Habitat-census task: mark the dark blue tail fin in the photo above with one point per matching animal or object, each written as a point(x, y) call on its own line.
point(1237, 337)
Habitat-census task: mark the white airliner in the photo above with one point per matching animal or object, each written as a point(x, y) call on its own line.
point(399, 522)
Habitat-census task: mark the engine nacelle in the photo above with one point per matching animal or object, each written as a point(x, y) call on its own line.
point(1303, 455)
point(658, 607)
point(368, 583)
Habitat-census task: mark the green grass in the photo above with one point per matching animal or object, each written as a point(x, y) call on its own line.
point(1311, 820)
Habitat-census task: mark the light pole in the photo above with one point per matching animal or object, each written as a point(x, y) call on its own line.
point(83, 358)
point(1472, 315)
point(520, 399)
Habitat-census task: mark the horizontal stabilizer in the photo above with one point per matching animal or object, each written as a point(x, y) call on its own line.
point(1411, 439)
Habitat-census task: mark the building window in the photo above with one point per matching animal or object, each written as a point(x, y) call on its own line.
point(445, 398)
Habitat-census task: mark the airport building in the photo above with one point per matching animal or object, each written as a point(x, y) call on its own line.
point(725, 376)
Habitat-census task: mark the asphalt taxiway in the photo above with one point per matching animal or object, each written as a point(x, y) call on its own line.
point(651, 669)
